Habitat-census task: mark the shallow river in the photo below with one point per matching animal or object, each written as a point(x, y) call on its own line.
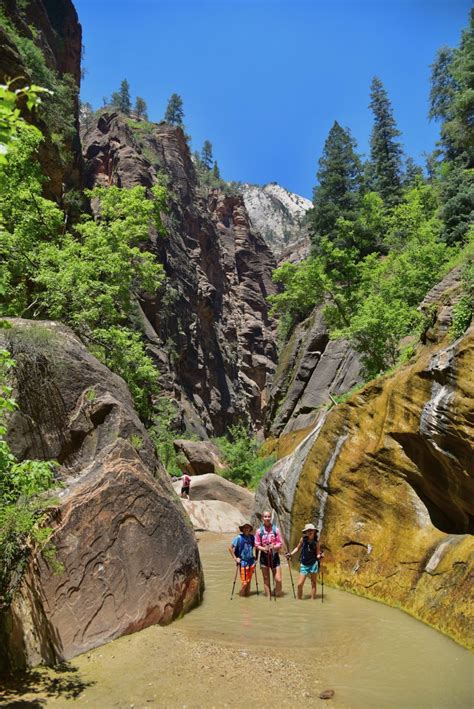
point(269, 653)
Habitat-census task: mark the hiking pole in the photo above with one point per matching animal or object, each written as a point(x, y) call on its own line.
point(291, 577)
point(270, 574)
point(322, 579)
point(237, 566)
point(256, 577)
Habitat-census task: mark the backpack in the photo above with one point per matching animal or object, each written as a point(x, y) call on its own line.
point(244, 549)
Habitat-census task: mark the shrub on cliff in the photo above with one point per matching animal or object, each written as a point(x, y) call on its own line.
point(240, 451)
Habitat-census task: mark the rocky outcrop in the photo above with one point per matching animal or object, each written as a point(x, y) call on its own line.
point(127, 553)
point(209, 329)
point(277, 214)
point(217, 504)
point(198, 457)
point(215, 487)
point(311, 368)
point(388, 478)
point(53, 26)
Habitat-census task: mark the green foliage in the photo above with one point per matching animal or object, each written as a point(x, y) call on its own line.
point(456, 187)
point(340, 182)
point(174, 113)
point(141, 108)
point(240, 450)
point(121, 99)
point(385, 170)
point(464, 309)
point(163, 432)
point(22, 502)
point(10, 119)
point(207, 157)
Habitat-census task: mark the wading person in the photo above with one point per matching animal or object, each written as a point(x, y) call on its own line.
point(268, 542)
point(309, 558)
point(242, 551)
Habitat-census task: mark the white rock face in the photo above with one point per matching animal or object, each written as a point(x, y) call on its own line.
point(276, 213)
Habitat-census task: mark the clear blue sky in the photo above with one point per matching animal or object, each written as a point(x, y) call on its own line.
point(264, 80)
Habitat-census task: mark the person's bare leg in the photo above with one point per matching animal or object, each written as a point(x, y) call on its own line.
point(277, 577)
point(266, 580)
point(313, 585)
point(301, 581)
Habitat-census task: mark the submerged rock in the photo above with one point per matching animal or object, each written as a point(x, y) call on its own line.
point(128, 554)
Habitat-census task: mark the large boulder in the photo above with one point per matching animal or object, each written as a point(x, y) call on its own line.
point(127, 552)
point(213, 516)
point(215, 487)
point(198, 457)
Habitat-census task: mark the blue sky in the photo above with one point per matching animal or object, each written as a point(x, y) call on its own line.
point(264, 80)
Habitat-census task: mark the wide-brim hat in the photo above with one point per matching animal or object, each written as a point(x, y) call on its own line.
point(309, 528)
point(245, 524)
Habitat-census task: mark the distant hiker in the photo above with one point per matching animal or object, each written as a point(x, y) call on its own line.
point(242, 552)
point(309, 558)
point(268, 541)
point(185, 485)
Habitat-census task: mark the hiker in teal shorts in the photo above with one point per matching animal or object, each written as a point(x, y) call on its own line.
point(309, 559)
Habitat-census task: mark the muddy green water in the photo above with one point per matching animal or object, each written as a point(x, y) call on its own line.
point(370, 654)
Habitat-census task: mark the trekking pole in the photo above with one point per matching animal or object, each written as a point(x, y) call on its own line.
point(270, 574)
point(237, 566)
point(322, 579)
point(291, 577)
point(256, 577)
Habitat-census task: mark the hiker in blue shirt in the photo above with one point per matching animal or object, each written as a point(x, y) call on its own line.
point(242, 552)
point(309, 558)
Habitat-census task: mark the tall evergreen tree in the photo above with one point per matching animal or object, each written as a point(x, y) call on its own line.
point(141, 108)
point(207, 157)
point(340, 182)
point(385, 151)
point(121, 99)
point(216, 173)
point(412, 172)
point(174, 113)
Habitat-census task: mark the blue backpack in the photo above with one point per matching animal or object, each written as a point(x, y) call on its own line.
point(244, 549)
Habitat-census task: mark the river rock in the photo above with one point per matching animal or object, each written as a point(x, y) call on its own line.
point(215, 487)
point(214, 516)
point(388, 478)
point(128, 553)
point(327, 694)
point(198, 457)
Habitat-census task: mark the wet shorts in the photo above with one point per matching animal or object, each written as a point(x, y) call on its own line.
point(246, 573)
point(264, 560)
point(308, 569)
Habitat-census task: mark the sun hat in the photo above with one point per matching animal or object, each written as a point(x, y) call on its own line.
point(309, 528)
point(245, 524)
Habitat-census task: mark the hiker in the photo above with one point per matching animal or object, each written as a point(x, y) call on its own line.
point(242, 552)
point(309, 558)
point(185, 485)
point(268, 542)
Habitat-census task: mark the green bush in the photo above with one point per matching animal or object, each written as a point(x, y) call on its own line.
point(240, 451)
point(22, 501)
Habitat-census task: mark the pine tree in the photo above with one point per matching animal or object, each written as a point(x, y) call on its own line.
point(385, 151)
point(412, 172)
point(141, 108)
point(340, 181)
point(216, 173)
point(206, 155)
point(174, 113)
point(121, 99)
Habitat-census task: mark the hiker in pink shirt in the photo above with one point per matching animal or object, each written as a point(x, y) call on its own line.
point(268, 541)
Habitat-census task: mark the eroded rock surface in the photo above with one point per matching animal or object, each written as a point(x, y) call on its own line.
point(128, 552)
point(209, 330)
point(388, 478)
point(215, 487)
point(311, 368)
